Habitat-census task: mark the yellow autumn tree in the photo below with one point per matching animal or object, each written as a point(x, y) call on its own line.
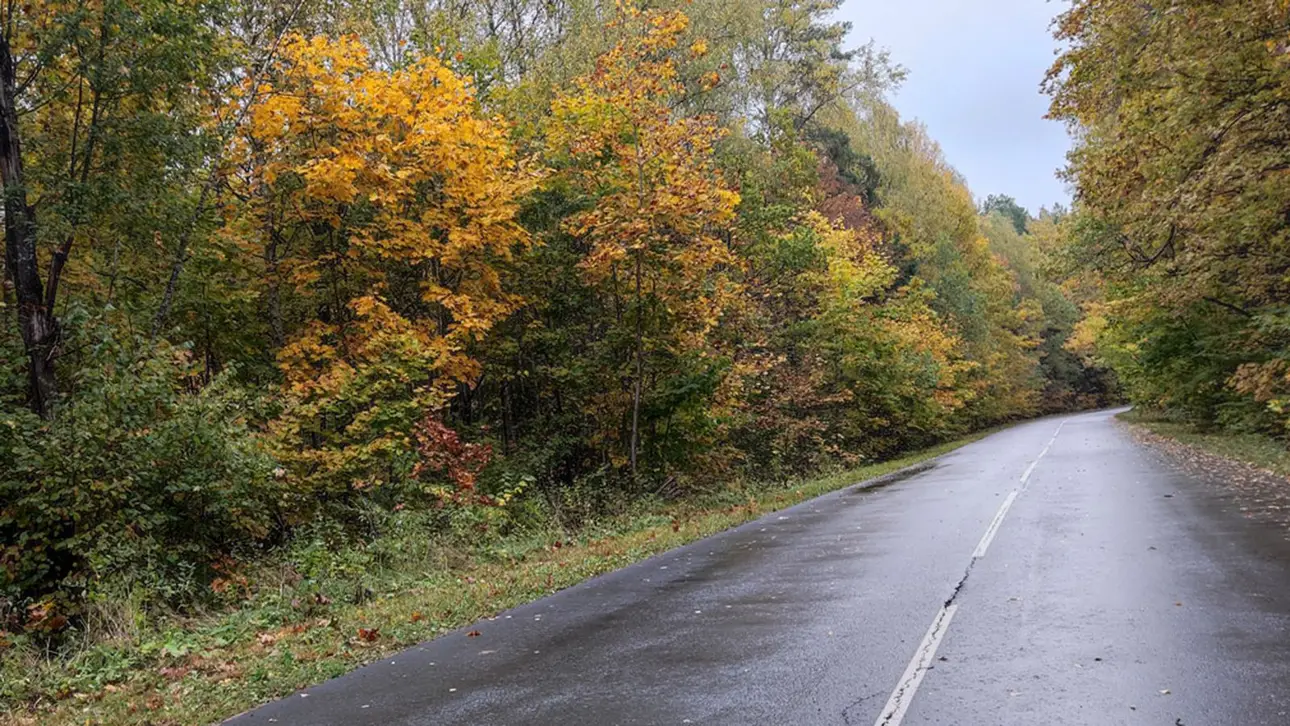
point(898, 363)
point(655, 201)
point(381, 204)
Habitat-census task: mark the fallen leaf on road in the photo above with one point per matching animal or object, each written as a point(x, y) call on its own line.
point(473, 634)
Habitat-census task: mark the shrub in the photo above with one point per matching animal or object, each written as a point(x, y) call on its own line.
point(144, 475)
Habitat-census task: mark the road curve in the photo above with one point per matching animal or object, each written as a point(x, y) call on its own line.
point(1053, 573)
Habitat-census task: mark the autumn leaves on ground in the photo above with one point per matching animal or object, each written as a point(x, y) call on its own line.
point(329, 327)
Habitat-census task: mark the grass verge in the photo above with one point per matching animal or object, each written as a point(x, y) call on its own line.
point(1263, 452)
point(203, 669)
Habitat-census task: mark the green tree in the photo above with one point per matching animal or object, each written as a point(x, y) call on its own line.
point(1180, 110)
point(1008, 207)
point(100, 139)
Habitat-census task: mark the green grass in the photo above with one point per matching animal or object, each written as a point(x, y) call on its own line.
point(204, 669)
point(1257, 450)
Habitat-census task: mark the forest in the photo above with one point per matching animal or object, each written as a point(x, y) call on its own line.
point(1183, 193)
point(291, 282)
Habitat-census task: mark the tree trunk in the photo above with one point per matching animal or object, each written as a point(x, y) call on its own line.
point(636, 389)
point(36, 321)
point(277, 327)
point(508, 418)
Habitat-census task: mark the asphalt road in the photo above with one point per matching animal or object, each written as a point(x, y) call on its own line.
point(1053, 573)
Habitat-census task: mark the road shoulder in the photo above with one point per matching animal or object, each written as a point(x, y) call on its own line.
point(1252, 472)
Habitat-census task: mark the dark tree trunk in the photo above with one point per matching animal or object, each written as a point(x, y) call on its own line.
point(36, 321)
point(277, 328)
point(640, 354)
point(508, 419)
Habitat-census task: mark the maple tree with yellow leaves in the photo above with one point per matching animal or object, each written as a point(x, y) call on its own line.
point(658, 204)
point(386, 200)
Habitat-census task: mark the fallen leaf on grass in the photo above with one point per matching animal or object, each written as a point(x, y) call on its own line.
point(417, 617)
point(369, 635)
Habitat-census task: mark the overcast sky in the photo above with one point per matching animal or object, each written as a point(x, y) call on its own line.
point(974, 73)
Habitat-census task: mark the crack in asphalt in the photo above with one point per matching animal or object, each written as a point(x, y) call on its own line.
point(846, 712)
point(899, 696)
point(930, 643)
point(958, 588)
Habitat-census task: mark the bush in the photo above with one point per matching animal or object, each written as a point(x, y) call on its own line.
point(144, 476)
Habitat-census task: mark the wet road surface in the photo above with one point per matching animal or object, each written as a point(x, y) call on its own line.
point(1053, 573)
